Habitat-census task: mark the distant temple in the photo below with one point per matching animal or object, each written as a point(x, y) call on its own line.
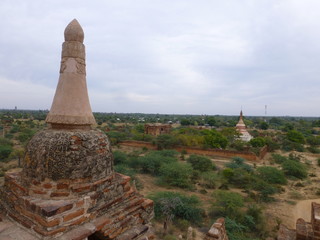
point(157, 129)
point(241, 128)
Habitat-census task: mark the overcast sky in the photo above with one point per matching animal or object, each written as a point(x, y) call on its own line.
point(168, 56)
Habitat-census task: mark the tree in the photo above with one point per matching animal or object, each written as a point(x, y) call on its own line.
point(167, 207)
point(165, 141)
point(215, 139)
point(271, 175)
point(176, 174)
point(201, 163)
point(211, 121)
point(257, 142)
point(230, 133)
point(17, 153)
point(5, 151)
point(294, 169)
point(188, 208)
point(227, 203)
point(119, 157)
point(263, 125)
point(295, 136)
point(185, 122)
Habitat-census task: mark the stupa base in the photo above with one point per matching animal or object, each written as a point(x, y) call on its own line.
point(111, 211)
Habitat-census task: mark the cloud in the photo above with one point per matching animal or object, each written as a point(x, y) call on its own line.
point(204, 57)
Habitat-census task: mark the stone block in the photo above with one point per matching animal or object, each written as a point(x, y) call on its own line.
point(59, 194)
point(49, 233)
point(73, 215)
point(55, 207)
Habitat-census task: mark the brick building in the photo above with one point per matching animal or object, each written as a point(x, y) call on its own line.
point(157, 129)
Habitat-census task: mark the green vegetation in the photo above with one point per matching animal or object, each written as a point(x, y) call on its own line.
point(294, 169)
point(234, 190)
point(185, 207)
point(201, 163)
point(271, 175)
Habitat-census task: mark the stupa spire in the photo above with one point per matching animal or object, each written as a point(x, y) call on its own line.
point(71, 107)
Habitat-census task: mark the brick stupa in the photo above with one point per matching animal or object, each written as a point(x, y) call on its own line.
point(67, 188)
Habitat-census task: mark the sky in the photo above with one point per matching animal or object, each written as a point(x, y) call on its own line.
point(168, 56)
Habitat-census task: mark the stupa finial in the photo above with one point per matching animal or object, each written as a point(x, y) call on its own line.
point(74, 32)
point(71, 107)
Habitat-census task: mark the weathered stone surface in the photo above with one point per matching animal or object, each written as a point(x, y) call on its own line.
point(285, 233)
point(71, 107)
point(61, 154)
point(68, 188)
point(217, 231)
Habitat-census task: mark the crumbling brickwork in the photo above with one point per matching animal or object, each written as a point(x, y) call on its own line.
point(51, 203)
point(157, 129)
point(217, 231)
point(304, 230)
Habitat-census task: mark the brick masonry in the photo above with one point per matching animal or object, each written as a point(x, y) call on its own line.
point(304, 230)
point(207, 152)
point(94, 200)
point(217, 231)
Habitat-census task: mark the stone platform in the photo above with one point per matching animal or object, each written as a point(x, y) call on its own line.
point(108, 209)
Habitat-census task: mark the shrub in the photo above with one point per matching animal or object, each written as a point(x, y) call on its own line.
point(227, 203)
point(295, 136)
point(201, 163)
point(271, 175)
point(25, 135)
point(176, 174)
point(209, 179)
point(278, 158)
point(265, 189)
point(257, 142)
point(188, 207)
point(238, 162)
point(4, 141)
point(5, 151)
point(165, 141)
point(215, 139)
point(119, 157)
point(294, 169)
point(169, 237)
point(166, 153)
point(152, 162)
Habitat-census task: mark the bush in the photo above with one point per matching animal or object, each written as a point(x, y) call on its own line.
point(215, 139)
point(227, 203)
point(119, 157)
point(238, 162)
point(176, 174)
point(4, 141)
point(188, 207)
point(209, 179)
point(279, 158)
point(201, 163)
point(257, 142)
point(294, 169)
point(152, 162)
point(167, 153)
point(165, 141)
point(295, 136)
point(5, 151)
point(271, 175)
point(265, 189)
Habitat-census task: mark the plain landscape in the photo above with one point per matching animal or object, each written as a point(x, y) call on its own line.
point(254, 196)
